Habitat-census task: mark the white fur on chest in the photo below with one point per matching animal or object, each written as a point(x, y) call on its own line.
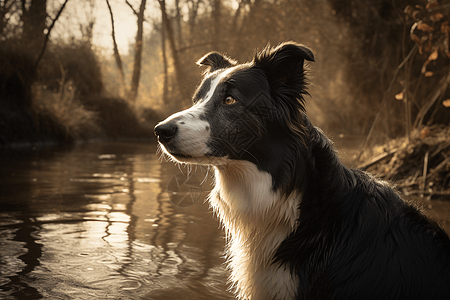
point(256, 221)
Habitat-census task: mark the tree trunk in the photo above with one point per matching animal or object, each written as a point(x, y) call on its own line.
point(237, 15)
point(164, 55)
point(216, 23)
point(137, 53)
point(178, 19)
point(193, 13)
point(176, 60)
point(116, 52)
point(47, 35)
point(249, 19)
point(34, 23)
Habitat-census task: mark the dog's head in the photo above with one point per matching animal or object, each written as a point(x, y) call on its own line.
point(241, 111)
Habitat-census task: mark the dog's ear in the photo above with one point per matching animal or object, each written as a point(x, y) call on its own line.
point(284, 68)
point(281, 62)
point(216, 61)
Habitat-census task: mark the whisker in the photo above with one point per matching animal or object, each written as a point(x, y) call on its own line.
point(206, 176)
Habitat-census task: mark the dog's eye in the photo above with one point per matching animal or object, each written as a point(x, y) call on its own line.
point(229, 100)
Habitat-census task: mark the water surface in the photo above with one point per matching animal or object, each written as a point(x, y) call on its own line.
point(112, 221)
point(98, 221)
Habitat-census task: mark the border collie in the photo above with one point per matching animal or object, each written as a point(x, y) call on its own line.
point(298, 223)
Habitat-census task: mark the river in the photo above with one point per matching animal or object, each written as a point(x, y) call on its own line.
point(110, 220)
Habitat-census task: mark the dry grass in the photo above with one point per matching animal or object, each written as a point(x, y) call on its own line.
point(61, 115)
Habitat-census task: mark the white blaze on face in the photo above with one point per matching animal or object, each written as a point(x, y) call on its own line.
point(193, 132)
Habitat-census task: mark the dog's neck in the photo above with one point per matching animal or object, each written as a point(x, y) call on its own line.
point(256, 220)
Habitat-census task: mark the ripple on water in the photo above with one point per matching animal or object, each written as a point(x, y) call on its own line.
point(98, 224)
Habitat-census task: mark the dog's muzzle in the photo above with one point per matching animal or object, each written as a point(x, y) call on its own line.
point(166, 131)
point(183, 136)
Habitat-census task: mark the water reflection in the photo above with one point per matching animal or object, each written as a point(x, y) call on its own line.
point(98, 222)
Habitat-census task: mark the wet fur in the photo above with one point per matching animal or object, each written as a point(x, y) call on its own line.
point(299, 224)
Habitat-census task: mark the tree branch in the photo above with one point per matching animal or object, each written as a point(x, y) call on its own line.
point(135, 78)
point(135, 11)
point(47, 36)
point(442, 87)
point(386, 97)
point(173, 48)
point(132, 8)
point(116, 49)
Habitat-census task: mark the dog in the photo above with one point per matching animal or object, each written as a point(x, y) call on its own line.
point(298, 223)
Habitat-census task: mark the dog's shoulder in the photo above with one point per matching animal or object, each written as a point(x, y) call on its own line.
point(366, 242)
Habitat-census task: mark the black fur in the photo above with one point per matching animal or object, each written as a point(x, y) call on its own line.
point(356, 238)
point(215, 61)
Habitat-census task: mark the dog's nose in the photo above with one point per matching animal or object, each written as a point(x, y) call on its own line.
point(166, 131)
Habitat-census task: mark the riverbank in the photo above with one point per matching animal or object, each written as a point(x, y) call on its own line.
point(63, 118)
point(418, 166)
point(63, 99)
point(437, 207)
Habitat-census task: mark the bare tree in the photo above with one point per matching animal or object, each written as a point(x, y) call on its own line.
point(178, 22)
point(34, 16)
point(193, 13)
point(87, 30)
point(216, 23)
point(117, 56)
point(47, 35)
point(175, 55)
point(237, 14)
point(137, 50)
point(165, 67)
